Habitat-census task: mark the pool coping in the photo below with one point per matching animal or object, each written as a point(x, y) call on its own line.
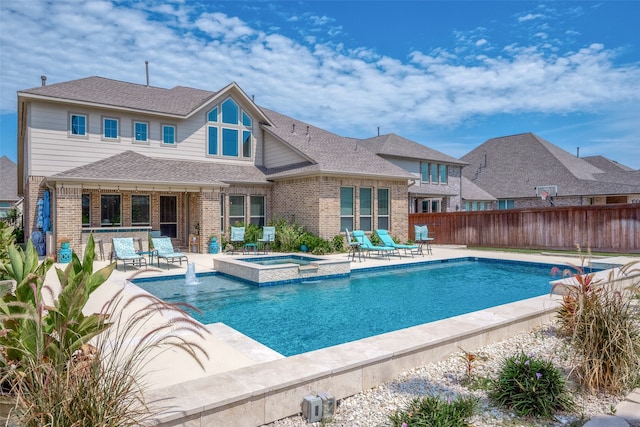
point(272, 390)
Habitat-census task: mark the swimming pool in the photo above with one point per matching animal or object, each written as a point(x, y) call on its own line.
point(296, 318)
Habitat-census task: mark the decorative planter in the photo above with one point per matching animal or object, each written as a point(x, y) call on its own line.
point(213, 246)
point(64, 254)
point(304, 248)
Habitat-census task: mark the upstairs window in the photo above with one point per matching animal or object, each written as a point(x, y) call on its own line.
point(78, 124)
point(110, 128)
point(443, 174)
point(229, 131)
point(141, 131)
point(168, 134)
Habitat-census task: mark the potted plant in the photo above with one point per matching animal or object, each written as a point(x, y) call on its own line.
point(64, 243)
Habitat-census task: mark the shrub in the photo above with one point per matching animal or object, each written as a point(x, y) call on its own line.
point(337, 244)
point(67, 368)
point(434, 411)
point(600, 318)
point(530, 387)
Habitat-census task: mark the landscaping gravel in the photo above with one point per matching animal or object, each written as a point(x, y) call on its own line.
point(447, 378)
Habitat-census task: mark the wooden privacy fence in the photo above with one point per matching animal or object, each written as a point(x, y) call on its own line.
point(607, 228)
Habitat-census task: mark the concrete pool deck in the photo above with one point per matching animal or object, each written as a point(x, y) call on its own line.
point(252, 385)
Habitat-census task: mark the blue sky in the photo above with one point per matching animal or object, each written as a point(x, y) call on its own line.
point(447, 74)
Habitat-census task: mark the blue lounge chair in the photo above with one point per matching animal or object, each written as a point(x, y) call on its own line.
point(366, 244)
point(268, 237)
point(163, 248)
point(354, 246)
point(236, 239)
point(422, 238)
point(125, 251)
point(387, 240)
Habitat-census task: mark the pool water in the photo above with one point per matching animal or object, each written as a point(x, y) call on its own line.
point(296, 318)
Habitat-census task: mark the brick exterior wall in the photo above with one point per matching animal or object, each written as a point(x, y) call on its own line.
point(315, 203)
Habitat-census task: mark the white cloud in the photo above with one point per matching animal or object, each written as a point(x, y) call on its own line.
point(324, 83)
point(530, 17)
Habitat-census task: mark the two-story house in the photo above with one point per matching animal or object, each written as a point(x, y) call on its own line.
point(120, 157)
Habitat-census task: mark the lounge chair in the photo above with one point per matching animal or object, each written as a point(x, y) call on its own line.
point(237, 238)
point(387, 240)
point(366, 244)
point(163, 248)
point(125, 251)
point(354, 246)
point(268, 237)
point(422, 238)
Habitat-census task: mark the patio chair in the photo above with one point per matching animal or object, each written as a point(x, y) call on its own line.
point(422, 238)
point(354, 246)
point(268, 237)
point(366, 244)
point(387, 240)
point(236, 239)
point(163, 248)
point(124, 250)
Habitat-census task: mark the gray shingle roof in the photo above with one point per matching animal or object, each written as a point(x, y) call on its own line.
point(470, 191)
point(512, 166)
point(8, 180)
point(132, 167)
point(392, 145)
point(607, 165)
point(329, 153)
point(179, 101)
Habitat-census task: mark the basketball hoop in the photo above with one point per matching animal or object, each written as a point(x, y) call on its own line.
point(544, 195)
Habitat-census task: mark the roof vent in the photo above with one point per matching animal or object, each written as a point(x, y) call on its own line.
point(146, 66)
point(44, 80)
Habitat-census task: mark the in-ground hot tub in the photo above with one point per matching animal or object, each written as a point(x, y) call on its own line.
point(278, 269)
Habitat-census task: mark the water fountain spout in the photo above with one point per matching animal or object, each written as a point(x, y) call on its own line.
point(190, 277)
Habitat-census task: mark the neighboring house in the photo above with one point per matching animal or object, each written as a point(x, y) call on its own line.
point(9, 185)
point(517, 169)
point(123, 158)
point(436, 183)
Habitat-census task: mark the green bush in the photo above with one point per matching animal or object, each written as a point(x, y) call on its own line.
point(68, 368)
point(531, 387)
point(433, 411)
point(338, 242)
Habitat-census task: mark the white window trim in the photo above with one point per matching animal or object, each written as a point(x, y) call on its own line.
point(106, 138)
point(84, 135)
point(175, 135)
point(133, 132)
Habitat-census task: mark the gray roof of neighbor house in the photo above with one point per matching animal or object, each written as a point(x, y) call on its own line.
point(327, 152)
point(392, 145)
point(607, 165)
point(9, 180)
point(179, 101)
point(130, 167)
point(470, 191)
point(512, 166)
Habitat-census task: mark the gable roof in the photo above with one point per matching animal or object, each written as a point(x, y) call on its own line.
point(512, 166)
point(9, 180)
point(327, 152)
point(392, 145)
point(179, 101)
point(130, 168)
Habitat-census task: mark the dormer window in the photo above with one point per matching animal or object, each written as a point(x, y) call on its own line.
point(230, 131)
